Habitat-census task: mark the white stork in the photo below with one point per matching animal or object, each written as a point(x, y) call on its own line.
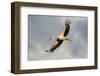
point(61, 37)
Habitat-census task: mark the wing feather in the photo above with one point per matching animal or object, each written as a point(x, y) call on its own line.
point(56, 44)
point(65, 30)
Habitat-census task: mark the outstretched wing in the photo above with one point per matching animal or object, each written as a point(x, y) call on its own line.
point(56, 44)
point(65, 30)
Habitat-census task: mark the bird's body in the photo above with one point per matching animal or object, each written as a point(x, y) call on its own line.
point(60, 38)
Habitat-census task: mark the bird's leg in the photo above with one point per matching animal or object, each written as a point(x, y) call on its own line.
point(69, 40)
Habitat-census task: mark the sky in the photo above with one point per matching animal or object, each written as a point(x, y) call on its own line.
point(42, 28)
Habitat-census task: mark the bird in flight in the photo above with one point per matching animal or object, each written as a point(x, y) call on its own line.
point(61, 37)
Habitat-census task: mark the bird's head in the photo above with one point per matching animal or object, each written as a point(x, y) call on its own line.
point(52, 38)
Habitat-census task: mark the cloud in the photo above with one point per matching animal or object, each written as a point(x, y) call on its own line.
point(41, 28)
point(42, 55)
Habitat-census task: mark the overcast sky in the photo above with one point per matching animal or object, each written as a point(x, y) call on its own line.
point(41, 28)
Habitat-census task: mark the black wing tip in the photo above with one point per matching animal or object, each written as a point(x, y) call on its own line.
point(49, 51)
point(67, 21)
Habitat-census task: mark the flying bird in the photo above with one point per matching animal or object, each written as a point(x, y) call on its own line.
point(61, 37)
